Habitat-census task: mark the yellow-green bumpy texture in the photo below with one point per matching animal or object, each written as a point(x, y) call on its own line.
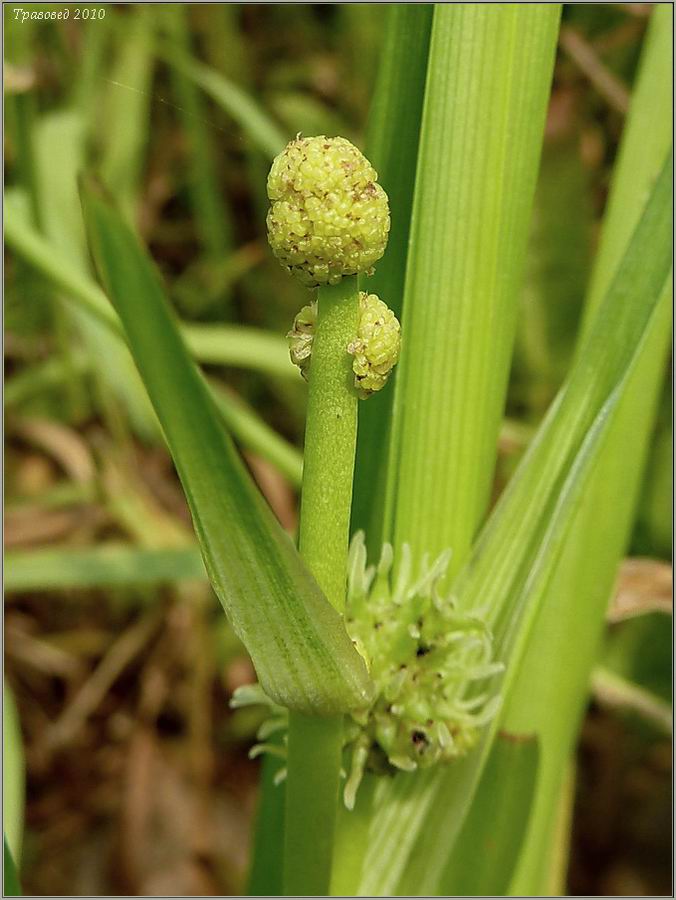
point(328, 217)
point(375, 347)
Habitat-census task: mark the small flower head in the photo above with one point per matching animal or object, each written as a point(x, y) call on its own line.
point(432, 666)
point(375, 347)
point(425, 659)
point(301, 336)
point(328, 216)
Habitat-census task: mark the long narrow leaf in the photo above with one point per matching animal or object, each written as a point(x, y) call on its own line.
point(485, 103)
point(301, 651)
point(515, 558)
point(254, 121)
point(392, 146)
point(549, 695)
point(65, 568)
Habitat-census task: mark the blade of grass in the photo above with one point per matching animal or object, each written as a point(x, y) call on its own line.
point(240, 346)
point(302, 654)
point(13, 774)
point(12, 888)
point(487, 847)
point(107, 565)
point(559, 256)
point(485, 102)
point(22, 109)
point(254, 434)
point(392, 146)
point(254, 121)
point(41, 377)
point(575, 610)
point(60, 154)
point(209, 212)
point(125, 126)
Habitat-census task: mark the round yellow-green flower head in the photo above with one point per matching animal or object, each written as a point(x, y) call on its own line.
point(328, 217)
point(375, 347)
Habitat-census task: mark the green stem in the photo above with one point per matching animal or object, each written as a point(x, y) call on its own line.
point(314, 751)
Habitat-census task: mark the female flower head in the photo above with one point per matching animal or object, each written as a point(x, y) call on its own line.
point(328, 217)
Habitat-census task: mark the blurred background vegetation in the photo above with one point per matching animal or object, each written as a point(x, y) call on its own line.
point(119, 663)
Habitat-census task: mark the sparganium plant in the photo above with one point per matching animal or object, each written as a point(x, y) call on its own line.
point(456, 132)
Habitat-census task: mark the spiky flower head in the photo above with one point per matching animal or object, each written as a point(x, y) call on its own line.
point(375, 347)
point(425, 659)
point(431, 665)
point(328, 217)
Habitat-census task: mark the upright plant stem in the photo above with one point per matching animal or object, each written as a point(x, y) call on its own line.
point(314, 750)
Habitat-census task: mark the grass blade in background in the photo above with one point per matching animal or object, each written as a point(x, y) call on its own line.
point(548, 696)
point(239, 346)
point(392, 147)
point(215, 344)
point(302, 654)
point(254, 121)
point(128, 107)
point(60, 155)
point(13, 775)
point(209, 212)
point(106, 565)
point(486, 97)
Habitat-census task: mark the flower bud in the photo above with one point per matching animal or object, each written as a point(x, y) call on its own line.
point(301, 336)
point(375, 347)
point(328, 217)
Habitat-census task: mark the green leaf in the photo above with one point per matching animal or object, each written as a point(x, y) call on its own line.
point(615, 692)
point(508, 574)
point(301, 651)
point(487, 847)
point(254, 121)
point(486, 98)
point(127, 107)
point(211, 216)
point(392, 147)
point(106, 565)
point(552, 687)
point(12, 887)
point(13, 774)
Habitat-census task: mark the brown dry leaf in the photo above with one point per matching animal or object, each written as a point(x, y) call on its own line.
point(63, 444)
point(32, 525)
point(643, 586)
